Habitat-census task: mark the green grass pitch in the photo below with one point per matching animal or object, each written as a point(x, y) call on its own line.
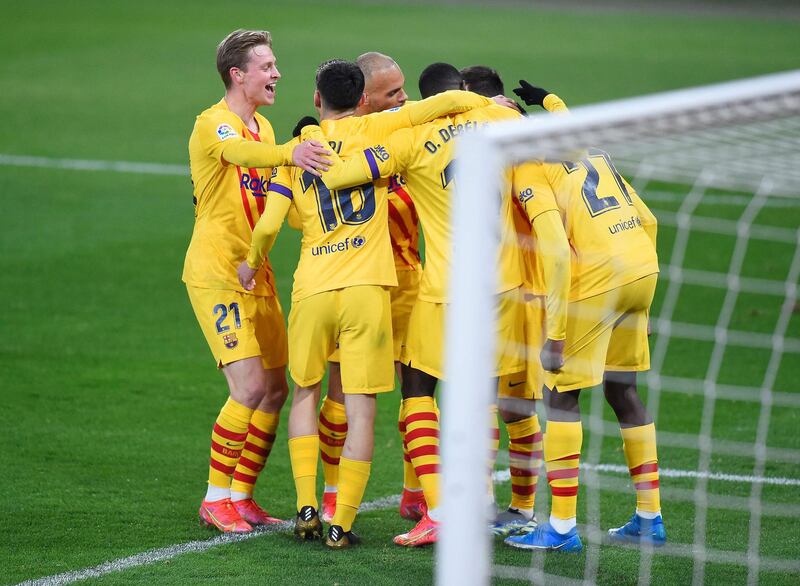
point(108, 388)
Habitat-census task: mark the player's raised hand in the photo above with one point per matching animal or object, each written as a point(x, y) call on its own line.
point(530, 94)
point(246, 276)
point(507, 102)
point(310, 156)
point(552, 355)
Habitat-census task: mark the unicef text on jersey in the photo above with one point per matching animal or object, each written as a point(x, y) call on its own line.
point(355, 242)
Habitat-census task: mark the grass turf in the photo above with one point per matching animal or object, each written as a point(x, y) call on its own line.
point(109, 389)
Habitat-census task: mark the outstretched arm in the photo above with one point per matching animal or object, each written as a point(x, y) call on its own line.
point(308, 155)
point(371, 164)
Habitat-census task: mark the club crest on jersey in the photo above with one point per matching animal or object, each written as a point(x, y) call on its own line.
point(230, 341)
point(525, 195)
point(226, 131)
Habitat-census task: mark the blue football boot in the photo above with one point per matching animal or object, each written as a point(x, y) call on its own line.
point(544, 537)
point(640, 530)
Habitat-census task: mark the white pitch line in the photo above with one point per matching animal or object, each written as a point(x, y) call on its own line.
point(166, 553)
point(94, 165)
point(505, 475)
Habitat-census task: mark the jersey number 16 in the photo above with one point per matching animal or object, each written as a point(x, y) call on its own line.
point(340, 206)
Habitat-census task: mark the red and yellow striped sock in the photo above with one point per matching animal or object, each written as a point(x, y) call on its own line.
point(257, 446)
point(422, 439)
point(494, 445)
point(410, 480)
point(227, 440)
point(562, 450)
point(332, 433)
point(353, 477)
point(525, 459)
point(639, 444)
point(304, 454)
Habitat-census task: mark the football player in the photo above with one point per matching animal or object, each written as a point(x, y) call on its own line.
point(340, 293)
point(231, 150)
point(383, 90)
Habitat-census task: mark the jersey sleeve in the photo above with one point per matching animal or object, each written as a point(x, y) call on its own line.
point(279, 199)
point(416, 113)
point(373, 163)
point(220, 140)
point(553, 250)
point(532, 189)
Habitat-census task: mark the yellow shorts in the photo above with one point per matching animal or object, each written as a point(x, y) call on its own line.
point(359, 320)
point(528, 384)
point(424, 344)
point(238, 325)
point(606, 332)
point(402, 299)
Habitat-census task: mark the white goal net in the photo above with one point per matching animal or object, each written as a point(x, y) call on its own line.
point(719, 166)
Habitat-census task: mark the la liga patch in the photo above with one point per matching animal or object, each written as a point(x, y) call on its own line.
point(225, 131)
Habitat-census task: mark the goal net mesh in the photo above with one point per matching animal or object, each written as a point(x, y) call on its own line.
point(720, 169)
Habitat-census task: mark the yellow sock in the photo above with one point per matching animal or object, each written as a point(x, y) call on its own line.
point(525, 459)
point(639, 444)
point(410, 480)
point(332, 433)
point(353, 477)
point(227, 440)
point(304, 452)
point(562, 450)
point(257, 446)
point(422, 439)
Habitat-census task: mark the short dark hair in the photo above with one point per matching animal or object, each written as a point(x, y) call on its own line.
point(234, 51)
point(340, 84)
point(482, 80)
point(437, 78)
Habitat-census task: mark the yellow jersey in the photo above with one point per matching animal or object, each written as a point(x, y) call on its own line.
point(610, 229)
point(424, 156)
point(346, 239)
point(228, 202)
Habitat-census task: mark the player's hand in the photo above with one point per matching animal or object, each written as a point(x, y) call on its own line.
point(246, 276)
point(531, 94)
point(302, 123)
point(552, 355)
point(507, 102)
point(310, 156)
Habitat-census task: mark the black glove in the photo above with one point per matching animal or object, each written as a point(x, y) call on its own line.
point(531, 94)
point(304, 121)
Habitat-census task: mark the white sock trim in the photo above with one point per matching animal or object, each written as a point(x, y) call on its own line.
point(562, 525)
point(332, 489)
point(240, 496)
point(217, 493)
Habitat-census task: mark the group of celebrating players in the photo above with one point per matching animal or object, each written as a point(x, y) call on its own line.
point(577, 272)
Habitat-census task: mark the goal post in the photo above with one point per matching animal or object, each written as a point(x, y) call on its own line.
point(652, 136)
